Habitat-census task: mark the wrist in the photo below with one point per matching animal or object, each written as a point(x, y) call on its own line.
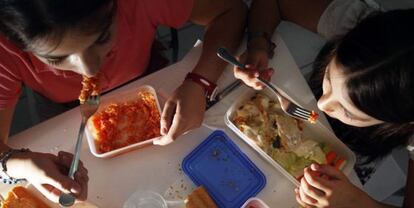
point(16, 165)
point(366, 201)
point(260, 41)
point(192, 84)
point(209, 88)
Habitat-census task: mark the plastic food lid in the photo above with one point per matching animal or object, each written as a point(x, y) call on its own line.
point(229, 175)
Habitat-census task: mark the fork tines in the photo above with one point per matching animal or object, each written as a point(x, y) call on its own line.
point(299, 112)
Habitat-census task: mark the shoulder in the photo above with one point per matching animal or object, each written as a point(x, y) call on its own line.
point(342, 15)
point(10, 56)
point(173, 13)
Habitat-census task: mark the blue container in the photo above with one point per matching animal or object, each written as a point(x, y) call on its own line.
point(228, 174)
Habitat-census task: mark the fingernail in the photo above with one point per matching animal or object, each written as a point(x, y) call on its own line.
point(156, 142)
point(75, 189)
point(315, 166)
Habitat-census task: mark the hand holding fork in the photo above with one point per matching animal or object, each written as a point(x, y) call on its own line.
point(287, 105)
point(87, 110)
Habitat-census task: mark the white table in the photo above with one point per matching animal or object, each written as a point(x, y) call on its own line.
point(158, 168)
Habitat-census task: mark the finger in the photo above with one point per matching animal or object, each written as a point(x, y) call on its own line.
point(242, 58)
point(311, 191)
point(48, 191)
point(162, 141)
point(82, 173)
point(176, 129)
point(248, 77)
point(267, 73)
point(317, 181)
point(328, 170)
point(246, 74)
point(61, 182)
point(167, 116)
point(306, 198)
point(298, 199)
point(66, 158)
point(82, 179)
point(179, 124)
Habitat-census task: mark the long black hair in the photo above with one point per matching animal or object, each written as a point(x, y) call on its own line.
point(26, 21)
point(377, 56)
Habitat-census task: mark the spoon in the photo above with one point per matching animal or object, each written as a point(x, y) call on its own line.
point(66, 200)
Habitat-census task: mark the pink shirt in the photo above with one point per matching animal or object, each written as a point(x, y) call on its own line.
point(136, 28)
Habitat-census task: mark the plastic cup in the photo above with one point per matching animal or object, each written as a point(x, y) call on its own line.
point(145, 199)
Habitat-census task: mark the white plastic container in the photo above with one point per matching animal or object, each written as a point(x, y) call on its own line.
point(316, 132)
point(145, 199)
point(121, 97)
point(254, 203)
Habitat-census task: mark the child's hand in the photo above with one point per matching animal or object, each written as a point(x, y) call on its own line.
point(325, 186)
point(183, 111)
point(49, 173)
point(256, 65)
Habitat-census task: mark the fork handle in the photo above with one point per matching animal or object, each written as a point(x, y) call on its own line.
point(226, 56)
point(76, 157)
point(269, 85)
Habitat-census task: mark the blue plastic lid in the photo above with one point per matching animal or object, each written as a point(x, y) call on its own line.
point(228, 174)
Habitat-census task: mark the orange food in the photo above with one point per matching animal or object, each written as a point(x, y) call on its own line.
point(20, 197)
point(90, 86)
point(119, 125)
point(199, 198)
point(331, 157)
point(313, 117)
point(340, 164)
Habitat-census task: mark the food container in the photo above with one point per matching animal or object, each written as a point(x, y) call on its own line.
point(227, 174)
point(119, 98)
point(316, 132)
point(33, 191)
point(254, 203)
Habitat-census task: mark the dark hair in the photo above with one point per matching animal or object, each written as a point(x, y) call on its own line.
point(378, 58)
point(26, 21)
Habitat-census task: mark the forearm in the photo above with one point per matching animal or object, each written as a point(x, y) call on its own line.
point(263, 16)
point(367, 202)
point(6, 116)
point(225, 30)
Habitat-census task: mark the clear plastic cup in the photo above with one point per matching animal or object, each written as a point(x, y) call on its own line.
point(145, 199)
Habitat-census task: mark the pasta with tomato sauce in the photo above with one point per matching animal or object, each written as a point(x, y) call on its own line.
point(121, 124)
point(90, 86)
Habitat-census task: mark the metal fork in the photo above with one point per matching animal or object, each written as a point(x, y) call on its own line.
point(87, 109)
point(289, 107)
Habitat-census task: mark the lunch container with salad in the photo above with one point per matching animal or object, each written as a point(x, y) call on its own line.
point(321, 139)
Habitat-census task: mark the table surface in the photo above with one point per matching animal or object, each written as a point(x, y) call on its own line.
point(158, 168)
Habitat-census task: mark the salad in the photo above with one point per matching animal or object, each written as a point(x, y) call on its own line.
point(262, 120)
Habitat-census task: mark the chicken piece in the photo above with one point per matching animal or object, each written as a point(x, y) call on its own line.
point(199, 198)
point(20, 197)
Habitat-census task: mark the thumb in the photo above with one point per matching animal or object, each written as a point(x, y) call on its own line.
point(167, 117)
point(172, 133)
point(242, 58)
point(59, 181)
point(328, 170)
point(267, 73)
point(164, 140)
